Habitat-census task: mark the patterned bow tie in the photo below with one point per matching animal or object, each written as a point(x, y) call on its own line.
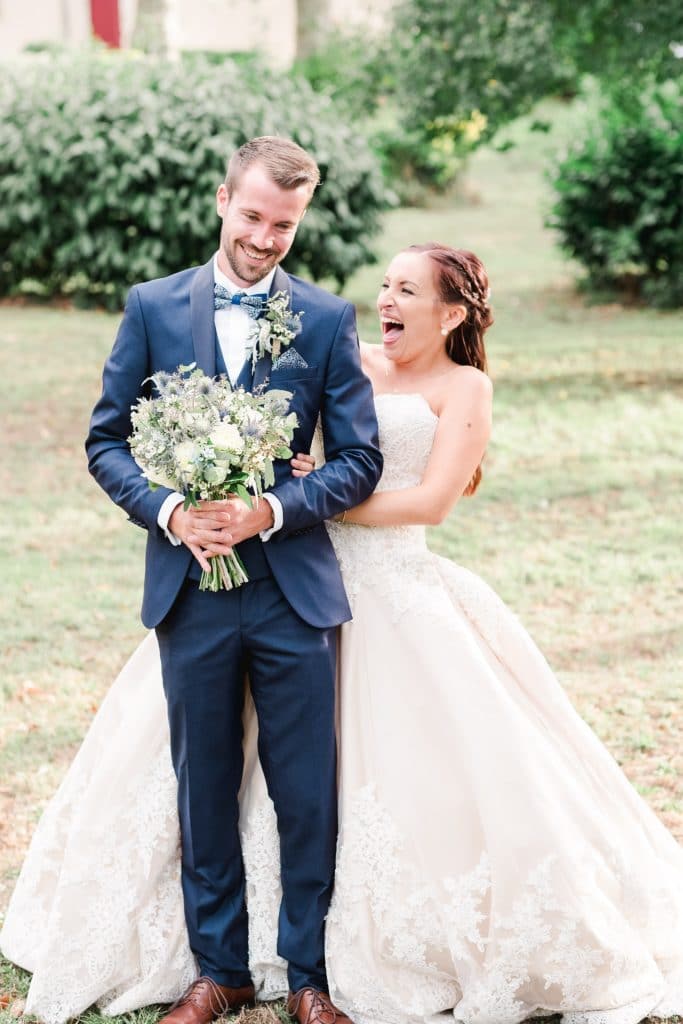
point(252, 304)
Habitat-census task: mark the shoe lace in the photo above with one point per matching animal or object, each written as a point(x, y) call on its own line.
point(198, 992)
point(320, 1010)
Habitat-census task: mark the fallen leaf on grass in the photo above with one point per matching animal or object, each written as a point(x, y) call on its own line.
point(29, 691)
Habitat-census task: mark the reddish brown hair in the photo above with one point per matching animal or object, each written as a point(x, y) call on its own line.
point(462, 280)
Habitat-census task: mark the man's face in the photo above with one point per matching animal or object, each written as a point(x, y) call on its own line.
point(259, 224)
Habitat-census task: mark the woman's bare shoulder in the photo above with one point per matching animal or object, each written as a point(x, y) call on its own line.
point(370, 356)
point(464, 386)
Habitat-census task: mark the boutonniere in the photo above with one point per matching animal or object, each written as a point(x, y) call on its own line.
point(276, 327)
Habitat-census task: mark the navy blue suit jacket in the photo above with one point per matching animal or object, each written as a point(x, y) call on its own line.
point(170, 321)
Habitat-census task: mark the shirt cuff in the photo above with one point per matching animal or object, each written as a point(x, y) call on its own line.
point(278, 516)
point(171, 502)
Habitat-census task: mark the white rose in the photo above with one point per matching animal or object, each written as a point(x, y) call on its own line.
point(185, 454)
point(227, 437)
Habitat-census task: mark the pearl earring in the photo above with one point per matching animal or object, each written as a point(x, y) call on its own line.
point(444, 331)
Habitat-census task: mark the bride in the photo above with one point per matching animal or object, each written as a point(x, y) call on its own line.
point(493, 861)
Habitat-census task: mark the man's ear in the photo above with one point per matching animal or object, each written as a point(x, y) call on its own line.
point(222, 199)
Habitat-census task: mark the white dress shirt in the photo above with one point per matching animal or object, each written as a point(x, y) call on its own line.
point(233, 324)
point(233, 329)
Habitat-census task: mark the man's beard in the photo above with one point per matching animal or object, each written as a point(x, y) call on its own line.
point(245, 270)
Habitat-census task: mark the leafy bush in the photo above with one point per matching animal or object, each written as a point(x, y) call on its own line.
point(351, 66)
point(427, 158)
point(109, 166)
point(619, 208)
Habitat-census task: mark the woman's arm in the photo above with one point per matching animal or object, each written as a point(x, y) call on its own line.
point(459, 445)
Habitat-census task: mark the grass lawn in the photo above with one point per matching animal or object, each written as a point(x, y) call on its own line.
point(577, 524)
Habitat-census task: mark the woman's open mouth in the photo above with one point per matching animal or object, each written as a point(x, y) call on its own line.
point(391, 330)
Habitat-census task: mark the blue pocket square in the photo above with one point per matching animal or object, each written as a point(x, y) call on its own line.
point(290, 360)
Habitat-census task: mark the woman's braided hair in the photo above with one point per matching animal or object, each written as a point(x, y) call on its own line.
point(462, 280)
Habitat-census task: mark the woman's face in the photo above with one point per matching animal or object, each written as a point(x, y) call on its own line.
point(410, 311)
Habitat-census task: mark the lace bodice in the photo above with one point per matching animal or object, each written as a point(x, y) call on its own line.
point(406, 433)
point(382, 555)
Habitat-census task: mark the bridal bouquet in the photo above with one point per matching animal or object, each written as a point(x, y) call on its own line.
point(205, 440)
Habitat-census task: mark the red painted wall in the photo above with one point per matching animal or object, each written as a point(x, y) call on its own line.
point(104, 15)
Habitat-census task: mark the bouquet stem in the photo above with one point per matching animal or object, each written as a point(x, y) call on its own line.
point(227, 571)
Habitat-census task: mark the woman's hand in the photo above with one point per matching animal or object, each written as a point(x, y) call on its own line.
point(302, 464)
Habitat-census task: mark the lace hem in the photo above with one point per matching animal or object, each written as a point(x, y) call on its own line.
point(456, 944)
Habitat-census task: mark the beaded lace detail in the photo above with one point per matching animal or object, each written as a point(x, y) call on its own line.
point(491, 944)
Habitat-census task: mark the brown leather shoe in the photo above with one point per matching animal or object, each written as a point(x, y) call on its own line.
point(205, 1000)
point(309, 1006)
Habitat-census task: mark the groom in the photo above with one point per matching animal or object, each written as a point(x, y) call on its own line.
point(279, 628)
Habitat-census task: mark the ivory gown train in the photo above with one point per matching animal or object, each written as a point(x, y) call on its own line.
point(493, 859)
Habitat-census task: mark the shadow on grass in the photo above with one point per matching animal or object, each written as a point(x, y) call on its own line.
point(586, 384)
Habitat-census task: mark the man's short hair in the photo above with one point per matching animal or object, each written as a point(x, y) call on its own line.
point(287, 163)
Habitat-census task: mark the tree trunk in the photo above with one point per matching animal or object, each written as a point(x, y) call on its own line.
point(312, 25)
point(152, 32)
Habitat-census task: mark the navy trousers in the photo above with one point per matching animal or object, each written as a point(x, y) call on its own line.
point(208, 643)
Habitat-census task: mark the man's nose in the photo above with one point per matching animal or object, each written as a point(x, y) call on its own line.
point(262, 237)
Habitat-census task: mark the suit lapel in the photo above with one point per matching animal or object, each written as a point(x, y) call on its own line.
point(202, 319)
point(245, 378)
point(281, 283)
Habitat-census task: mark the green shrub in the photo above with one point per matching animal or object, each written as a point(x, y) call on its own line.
point(350, 65)
point(430, 158)
point(109, 166)
point(619, 206)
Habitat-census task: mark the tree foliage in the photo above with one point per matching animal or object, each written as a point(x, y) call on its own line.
point(622, 42)
point(494, 56)
point(500, 56)
point(453, 73)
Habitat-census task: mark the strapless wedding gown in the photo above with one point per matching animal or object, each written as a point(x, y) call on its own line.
point(493, 860)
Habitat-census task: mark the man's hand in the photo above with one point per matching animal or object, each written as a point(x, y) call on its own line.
point(182, 525)
point(218, 525)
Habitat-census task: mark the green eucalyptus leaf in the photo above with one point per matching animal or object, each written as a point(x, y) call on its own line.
point(243, 493)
